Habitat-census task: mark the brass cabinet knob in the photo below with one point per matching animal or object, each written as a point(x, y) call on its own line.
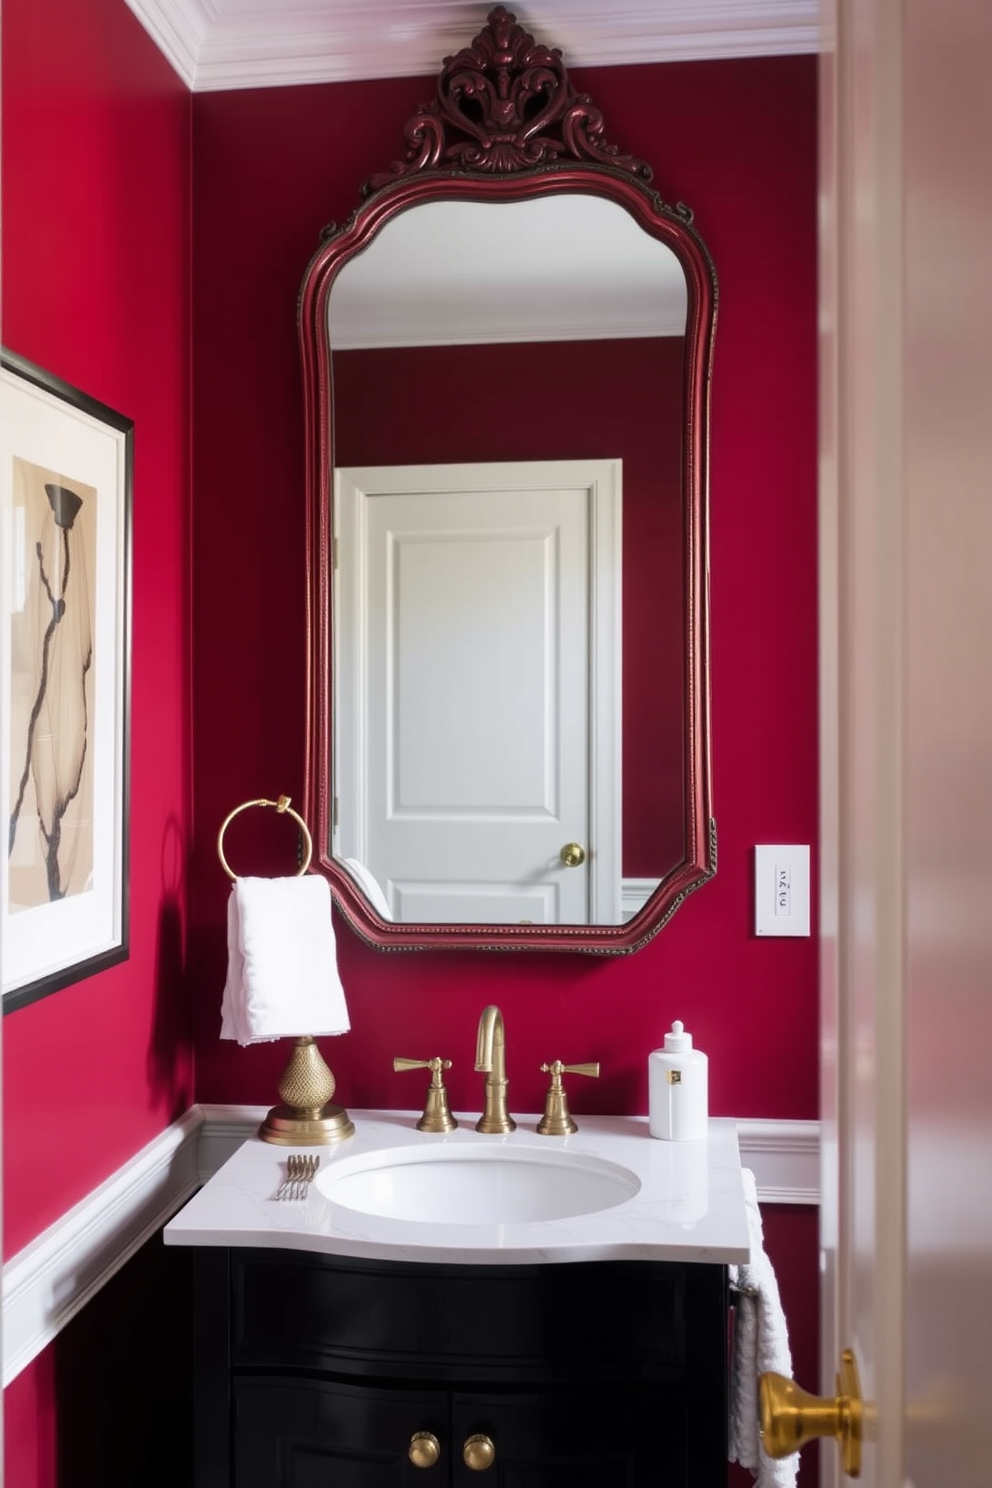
point(573, 855)
point(478, 1453)
point(425, 1449)
point(791, 1417)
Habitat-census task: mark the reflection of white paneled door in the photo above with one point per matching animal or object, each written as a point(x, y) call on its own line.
point(477, 695)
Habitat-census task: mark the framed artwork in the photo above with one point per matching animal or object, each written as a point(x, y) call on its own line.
point(66, 470)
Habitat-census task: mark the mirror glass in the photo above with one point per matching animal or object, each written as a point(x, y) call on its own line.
point(509, 610)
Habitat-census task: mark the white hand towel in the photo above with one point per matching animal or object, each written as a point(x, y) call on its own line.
point(373, 890)
point(761, 1343)
point(282, 974)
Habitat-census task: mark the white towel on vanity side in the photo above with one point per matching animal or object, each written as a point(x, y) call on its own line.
point(282, 970)
point(761, 1343)
point(373, 889)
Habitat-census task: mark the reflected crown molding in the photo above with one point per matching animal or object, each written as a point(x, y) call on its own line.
point(219, 44)
point(438, 278)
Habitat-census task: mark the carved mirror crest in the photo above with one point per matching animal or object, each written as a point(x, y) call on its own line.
point(506, 358)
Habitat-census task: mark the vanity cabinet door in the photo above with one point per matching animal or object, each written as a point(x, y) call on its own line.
point(583, 1376)
point(306, 1433)
point(584, 1437)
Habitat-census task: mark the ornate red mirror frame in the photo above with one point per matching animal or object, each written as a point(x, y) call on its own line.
point(507, 126)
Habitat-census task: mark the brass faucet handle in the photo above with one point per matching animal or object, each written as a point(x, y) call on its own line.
point(557, 1119)
point(437, 1115)
point(557, 1068)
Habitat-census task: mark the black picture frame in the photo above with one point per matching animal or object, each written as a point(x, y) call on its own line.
point(66, 499)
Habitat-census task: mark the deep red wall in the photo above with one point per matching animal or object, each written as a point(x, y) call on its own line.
point(95, 139)
point(590, 400)
point(95, 176)
point(96, 290)
point(30, 1425)
point(737, 141)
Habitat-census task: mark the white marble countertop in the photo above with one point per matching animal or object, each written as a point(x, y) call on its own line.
point(689, 1205)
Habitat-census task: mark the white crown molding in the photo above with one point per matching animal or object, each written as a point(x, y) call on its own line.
point(53, 1277)
point(514, 326)
point(179, 30)
point(461, 273)
point(218, 44)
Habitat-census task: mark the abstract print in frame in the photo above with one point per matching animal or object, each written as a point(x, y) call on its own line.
point(65, 616)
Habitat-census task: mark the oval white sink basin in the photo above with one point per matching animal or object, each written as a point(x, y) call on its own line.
point(452, 1186)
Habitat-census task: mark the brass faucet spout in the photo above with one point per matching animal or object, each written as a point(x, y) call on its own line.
point(491, 1042)
point(490, 1058)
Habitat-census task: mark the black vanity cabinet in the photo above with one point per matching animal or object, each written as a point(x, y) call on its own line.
point(319, 1372)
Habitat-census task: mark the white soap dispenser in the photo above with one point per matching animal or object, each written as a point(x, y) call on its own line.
point(678, 1076)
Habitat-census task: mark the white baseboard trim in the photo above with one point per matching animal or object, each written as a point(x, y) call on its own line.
point(53, 1277)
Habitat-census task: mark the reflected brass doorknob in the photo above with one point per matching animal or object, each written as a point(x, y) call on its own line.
point(478, 1453)
point(425, 1449)
point(573, 855)
point(791, 1417)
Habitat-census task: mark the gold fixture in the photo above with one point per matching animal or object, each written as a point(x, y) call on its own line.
point(791, 1417)
point(304, 1119)
point(478, 1453)
point(283, 807)
point(557, 1119)
point(490, 1056)
point(437, 1115)
point(424, 1450)
point(573, 855)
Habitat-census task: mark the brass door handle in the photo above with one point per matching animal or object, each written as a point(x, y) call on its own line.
point(791, 1417)
point(573, 855)
point(425, 1449)
point(478, 1453)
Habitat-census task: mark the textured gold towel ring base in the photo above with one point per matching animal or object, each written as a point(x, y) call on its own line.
point(306, 1117)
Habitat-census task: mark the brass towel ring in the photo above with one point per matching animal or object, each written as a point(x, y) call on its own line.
point(283, 807)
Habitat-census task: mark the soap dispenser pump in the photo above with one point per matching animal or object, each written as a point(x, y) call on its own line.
point(677, 1089)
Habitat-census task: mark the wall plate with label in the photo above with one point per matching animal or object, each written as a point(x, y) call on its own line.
point(781, 890)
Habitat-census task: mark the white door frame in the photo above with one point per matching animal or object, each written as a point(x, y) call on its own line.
point(906, 748)
point(862, 801)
